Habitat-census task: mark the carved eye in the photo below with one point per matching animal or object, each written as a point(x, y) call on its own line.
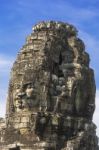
point(69, 56)
point(43, 120)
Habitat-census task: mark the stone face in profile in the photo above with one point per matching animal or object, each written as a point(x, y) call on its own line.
point(52, 92)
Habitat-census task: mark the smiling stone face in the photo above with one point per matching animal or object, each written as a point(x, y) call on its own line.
point(51, 72)
point(51, 50)
point(53, 87)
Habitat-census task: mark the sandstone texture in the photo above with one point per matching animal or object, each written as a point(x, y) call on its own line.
point(51, 96)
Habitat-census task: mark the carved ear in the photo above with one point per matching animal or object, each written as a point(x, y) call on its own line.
point(74, 88)
point(60, 59)
point(76, 97)
point(78, 103)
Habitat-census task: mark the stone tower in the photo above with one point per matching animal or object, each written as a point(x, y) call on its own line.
point(51, 97)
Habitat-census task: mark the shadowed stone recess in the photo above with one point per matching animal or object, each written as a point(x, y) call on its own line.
point(51, 95)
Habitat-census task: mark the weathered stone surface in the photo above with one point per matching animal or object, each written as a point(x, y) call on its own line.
point(51, 97)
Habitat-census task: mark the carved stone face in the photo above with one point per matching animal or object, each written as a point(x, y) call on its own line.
point(53, 87)
point(18, 105)
point(29, 91)
point(55, 72)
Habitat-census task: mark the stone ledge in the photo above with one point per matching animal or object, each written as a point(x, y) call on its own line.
point(54, 25)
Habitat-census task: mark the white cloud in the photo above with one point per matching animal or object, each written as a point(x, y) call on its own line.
point(5, 64)
point(3, 97)
point(90, 40)
point(2, 109)
point(96, 114)
point(92, 46)
point(77, 12)
point(61, 8)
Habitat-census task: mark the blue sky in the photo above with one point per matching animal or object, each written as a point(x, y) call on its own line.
point(17, 18)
